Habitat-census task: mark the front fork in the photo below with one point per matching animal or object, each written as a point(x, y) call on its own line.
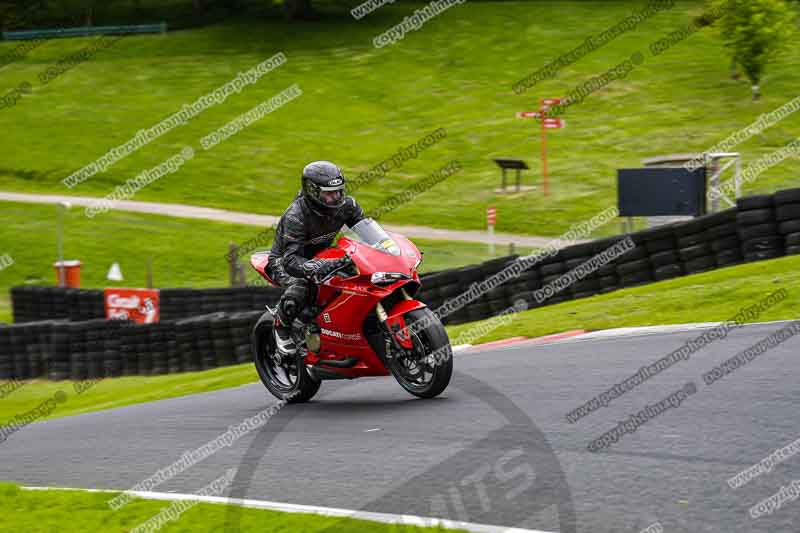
point(395, 326)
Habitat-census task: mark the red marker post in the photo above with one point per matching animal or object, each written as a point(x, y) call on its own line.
point(491, 219)
point(548, 123)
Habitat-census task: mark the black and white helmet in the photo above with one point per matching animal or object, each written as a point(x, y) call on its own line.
point(324, 185)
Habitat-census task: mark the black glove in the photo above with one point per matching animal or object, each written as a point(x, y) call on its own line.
point(318, 269)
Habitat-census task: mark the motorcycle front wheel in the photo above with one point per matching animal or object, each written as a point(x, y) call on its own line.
point(286, 380)
point(424, 372)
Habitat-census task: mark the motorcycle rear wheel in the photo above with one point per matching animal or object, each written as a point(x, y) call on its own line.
point(287, 381)
point(427, 372)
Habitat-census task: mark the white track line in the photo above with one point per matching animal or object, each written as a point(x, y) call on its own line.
point(385, 518)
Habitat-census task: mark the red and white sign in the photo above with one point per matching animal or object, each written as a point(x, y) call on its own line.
point(139, 305)
point(491, 216)
point(548, 123)
point(553, 123)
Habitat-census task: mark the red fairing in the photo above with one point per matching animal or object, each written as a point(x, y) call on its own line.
point(259, 263)
point(397, 321)
point(369, 260)
point(347, 302)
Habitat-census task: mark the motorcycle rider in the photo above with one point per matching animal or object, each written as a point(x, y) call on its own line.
point(308, 225)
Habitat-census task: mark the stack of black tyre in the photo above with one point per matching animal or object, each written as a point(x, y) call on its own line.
point(501, 297)
point(634, 267)
point(661, 248)
point(24, 349)
point(32, 303)
point(158, 337)
point(478, 307)
point(607, 274)
point(787, 214)
point(440, 287)
point(93, 349)
point(102, 348)
point(37, 348)
point(204, 343)
point(550, 269)
point(20, 303)
point(6, 362)
point(184, 303)
point(242, 324)
point(187, 344)
point(723, 237)
point(223, 342)
point(59, 365)
point(140, 339)
point(596, 280)
point(709, 241)
point(176, 303)
point(83, 304)
point(524, 286)
point(758, 228)
point(134, 352)
point(208, 341)
point(694, 250)
point(436, 287)
point(174, 358)
point(79, 352)
point(128, 353)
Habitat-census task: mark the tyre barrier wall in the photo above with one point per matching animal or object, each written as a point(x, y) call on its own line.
point(759, 227)
point(31, 303)
point(185, 303)
point(101, 348)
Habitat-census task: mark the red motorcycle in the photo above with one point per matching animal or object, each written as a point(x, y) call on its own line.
point(361, 323)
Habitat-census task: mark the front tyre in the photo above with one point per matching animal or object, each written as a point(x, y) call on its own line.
point(425, 371)
point(286, 380)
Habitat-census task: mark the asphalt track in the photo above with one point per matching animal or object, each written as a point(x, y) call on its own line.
point(495, 449)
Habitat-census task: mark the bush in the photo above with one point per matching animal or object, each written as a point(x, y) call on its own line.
point(755, 32)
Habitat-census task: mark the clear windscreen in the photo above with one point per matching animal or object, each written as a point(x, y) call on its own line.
point(369, 232)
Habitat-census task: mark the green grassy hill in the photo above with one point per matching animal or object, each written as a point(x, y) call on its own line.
point(360, 104)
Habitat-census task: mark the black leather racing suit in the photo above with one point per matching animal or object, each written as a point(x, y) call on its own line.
point(303, 231)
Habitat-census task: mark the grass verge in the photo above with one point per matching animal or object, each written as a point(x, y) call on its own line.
point(68, 511)
point(119, 392)
point(708, 297)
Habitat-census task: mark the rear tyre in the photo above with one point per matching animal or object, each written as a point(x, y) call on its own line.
point(425, 373)
point(286, 380)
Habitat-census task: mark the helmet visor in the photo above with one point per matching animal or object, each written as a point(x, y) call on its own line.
point(332, 196)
